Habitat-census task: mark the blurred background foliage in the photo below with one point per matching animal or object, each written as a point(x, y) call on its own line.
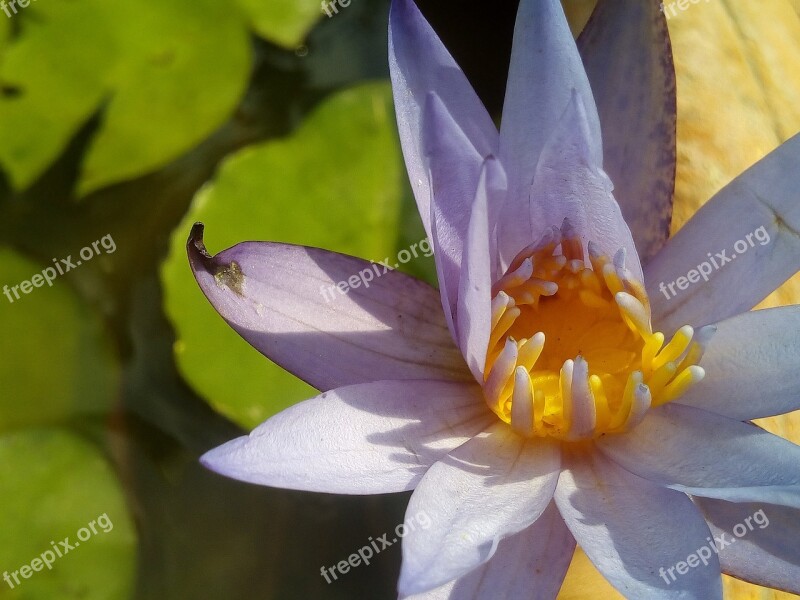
point(265, 119)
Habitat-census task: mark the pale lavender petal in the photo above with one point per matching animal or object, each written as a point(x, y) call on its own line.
point(282, 299)
point(455, 167)
point(529, 565)
point(496, 191)
point(449, 298)
point(419, 64)
point(634, 530)
point(708, 455)
point(475, 287)
point(757, 542)
point(760, 203)
point(545, 69)
point(444, 592)
point(372, 438)
point(628, 56)
point(568, 184)
point(494, 486)
point(751, 366)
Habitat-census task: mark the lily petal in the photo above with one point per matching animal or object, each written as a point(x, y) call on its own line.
point(419, 63)
point(495, 485)
point(751, 366)
point(764, 196)
point(569, 184)
point(704, 454)
point(448, 297)
point(529, 565)
point(455, 167)
point(757, 542)
point(629, 527)
point(372, 438)
point(475, 287)
point(545, 69)
point(282, 299)
point(628, 56)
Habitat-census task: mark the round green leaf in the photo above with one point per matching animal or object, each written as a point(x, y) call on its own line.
point(54, 73)
point(57, 362)
point(185, 67)
point(336, 184)
point(56, 488)
point(166, 73)
point(285, 22)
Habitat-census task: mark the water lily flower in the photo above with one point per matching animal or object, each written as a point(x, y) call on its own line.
point(550, 392)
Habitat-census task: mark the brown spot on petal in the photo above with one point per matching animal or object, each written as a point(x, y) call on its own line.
point(231, 276)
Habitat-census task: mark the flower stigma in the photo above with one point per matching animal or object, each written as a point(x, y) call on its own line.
point(572, 354)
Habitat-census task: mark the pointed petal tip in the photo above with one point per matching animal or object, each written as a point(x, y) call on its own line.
point(400, 6)
point(207, 460)
point(239, 459)
point(196, 237)
point(220, 459)
point(396, 7)
point(406, 21)
point(196, 247)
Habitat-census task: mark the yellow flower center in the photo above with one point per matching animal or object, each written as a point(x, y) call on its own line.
point(572, 354)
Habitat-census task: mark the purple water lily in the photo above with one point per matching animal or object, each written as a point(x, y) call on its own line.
point(534, 400)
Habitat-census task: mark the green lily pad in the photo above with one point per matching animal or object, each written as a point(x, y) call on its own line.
point(5, 30)
point(54, 77)
point(335, 183)
point(285, 22)
point(166, 73)
point(56, 359)
point(57, 486)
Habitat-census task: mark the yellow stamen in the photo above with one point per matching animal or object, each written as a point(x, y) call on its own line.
point(505, 323)
point(661, 377)
point(498, 381)
point(530, 351)
point(500, 304)
point(651, 348)
point(603, 410)
point(587, 362)
point(681, 383)
point(676, 347)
